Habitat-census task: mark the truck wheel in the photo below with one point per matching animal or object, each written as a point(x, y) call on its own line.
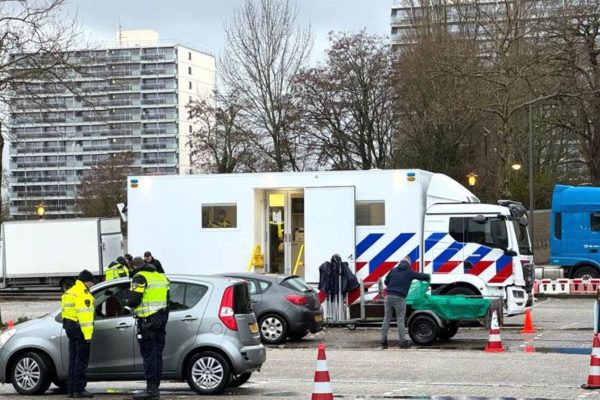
point(461, 290)
point(449, 330)
point(208, 373)
point(423, 330)
point(66, 283)
point(586, 273)
point(30, 374)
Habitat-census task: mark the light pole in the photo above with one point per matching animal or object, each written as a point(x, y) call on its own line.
point(531, 201)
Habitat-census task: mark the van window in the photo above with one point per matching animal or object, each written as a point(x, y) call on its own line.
point(370, 213)
point(595, 222)
point(491, 233)
point(219, 216)
point(558, 226)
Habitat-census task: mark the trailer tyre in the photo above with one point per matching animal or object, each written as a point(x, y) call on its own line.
point(461, 290)
point(586, 273)
point(423, 330)
point(449, 330)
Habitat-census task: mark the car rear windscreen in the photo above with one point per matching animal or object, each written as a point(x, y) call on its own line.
point(296, 284)
point(241, 299)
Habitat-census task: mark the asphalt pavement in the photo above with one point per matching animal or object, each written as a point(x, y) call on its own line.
point(456, 368)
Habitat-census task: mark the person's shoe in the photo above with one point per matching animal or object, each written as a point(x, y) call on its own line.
point(384, 345)
point(150, 393)
point(82, 395)
point(404, 345)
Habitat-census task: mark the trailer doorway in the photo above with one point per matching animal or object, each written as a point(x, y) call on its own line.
point(285, 232)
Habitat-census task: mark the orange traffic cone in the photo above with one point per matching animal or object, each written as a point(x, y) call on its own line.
point(593, 381)
point(322, 389)
point(596, 346)
point(495, 342)
point(10, 324)
point(528, 328)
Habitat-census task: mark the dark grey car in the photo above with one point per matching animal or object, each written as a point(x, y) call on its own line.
point(212, 339)
point(285, 306)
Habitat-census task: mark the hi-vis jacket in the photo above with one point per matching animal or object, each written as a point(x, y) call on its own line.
point(149, 292)
point(77, 304)
point(116, 271)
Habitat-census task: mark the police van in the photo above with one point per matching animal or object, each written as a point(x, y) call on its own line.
point(293, 222)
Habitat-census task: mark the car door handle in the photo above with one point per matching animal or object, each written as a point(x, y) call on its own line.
point(123, 326)
point(189, 318)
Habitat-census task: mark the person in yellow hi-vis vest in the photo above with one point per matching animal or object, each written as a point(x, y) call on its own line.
point(118, 269)
point(77, 304)
point(149, 299)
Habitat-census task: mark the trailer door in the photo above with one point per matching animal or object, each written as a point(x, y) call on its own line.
point(328, 227)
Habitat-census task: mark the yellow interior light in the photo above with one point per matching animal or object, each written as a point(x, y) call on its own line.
point(276, 199)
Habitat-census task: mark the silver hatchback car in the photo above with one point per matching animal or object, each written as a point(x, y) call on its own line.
point(212, 342)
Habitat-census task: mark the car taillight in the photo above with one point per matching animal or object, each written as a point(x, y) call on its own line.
point(226, 314)
point(296, 299)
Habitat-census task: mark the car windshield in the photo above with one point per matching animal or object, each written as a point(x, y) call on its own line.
point(522, 239)
point(296, 284)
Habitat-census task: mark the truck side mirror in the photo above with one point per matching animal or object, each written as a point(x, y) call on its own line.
point(510, 253)
point(524, 221)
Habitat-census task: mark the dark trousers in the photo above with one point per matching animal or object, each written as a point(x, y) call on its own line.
point(151, 338)
point(79, 355)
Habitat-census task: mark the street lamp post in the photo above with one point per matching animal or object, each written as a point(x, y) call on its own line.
point(531, 200)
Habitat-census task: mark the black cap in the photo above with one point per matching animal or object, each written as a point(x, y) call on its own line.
point(128, 257)
point(121, 260)
point(86, 276)
point(147, 254)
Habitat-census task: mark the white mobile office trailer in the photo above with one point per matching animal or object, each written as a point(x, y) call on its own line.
point(203, 224)
point(53, 252)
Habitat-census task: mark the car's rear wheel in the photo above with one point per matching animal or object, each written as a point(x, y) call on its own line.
point(273, 329)
point(423, 329)
point(31, 374)
point(239, 380)
point(208, 373)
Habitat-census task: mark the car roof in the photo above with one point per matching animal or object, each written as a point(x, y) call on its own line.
point(267, 277)
point(215, 279)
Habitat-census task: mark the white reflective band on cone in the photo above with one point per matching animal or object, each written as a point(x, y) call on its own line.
point(321, 365)
point(495, 338)
point(595, 371)
point(322, 387)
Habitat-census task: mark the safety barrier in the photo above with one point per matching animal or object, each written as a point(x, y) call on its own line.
point(566, 286)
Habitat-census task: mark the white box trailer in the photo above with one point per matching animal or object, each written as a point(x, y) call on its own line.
point(53, 252)
point(203, 224)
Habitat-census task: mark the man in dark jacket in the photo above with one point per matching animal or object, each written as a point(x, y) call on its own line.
point(398, 284)
point(151, 260)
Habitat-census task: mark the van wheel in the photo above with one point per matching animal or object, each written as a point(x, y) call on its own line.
point(449, 330)
point(423, 330)
point(586, 273)
point(239, 380)
point(30, 374)
point(273, 329)
point(208, 373)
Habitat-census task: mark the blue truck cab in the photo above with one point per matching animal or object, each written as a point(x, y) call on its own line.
point(575, 231)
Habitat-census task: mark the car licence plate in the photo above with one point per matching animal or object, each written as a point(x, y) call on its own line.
point(318, 318)
point(253, 327)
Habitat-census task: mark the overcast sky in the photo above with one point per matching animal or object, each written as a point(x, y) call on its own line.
point(200, 22)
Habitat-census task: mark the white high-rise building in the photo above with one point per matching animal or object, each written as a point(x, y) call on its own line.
point(135, 100)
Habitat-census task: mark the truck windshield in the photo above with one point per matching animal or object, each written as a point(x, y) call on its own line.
point(522, 238)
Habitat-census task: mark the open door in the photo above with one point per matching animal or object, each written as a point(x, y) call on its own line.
point(328, 227)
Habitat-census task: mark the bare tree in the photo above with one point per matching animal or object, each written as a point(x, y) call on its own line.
point(105, 185)
point(33, 38)
point(349, 104)
point(219, 144)
point(573, 33)
point(266, 50)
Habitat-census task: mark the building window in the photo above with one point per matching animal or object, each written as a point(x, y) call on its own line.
point(595, 222)
point(219, 216)
point(558, 226)
point(189, 70)
point(189, 55)
point(190, 85)
point(190, 128)
point(370, 213)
